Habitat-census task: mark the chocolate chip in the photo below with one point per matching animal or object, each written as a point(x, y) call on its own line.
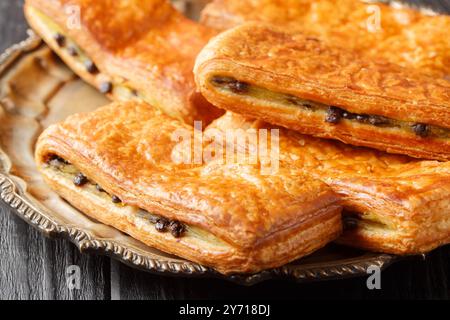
point(176, 228)
point(116, 199)
point(334, 115)
point(80, 180)
point(230, 83)
point(161, 225)
point(377, 120)
point(350, 224)
point(106, 87)
point(56, 164)
point(99, 189)
point(135, 93)
point(293, 100)
point(238, 87)
point(222, 80)
point(421, 129)
point(53, 157)
point(348, 115)
point(152, 218)
point(362, 118)
point(73, 51)
point(90, 67)
point(312, 39)
point(60, 40)
point(56, 159)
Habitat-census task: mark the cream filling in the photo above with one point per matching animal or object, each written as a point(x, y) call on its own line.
point(51, 28)
point(366, 221)
point(69, 172)
point(231, 85)
point(120, 87)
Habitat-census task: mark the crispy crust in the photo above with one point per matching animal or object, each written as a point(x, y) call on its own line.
point(128, 150)
point(404, 36)
point(146, 45)
point(264, 56)
point(407, 200)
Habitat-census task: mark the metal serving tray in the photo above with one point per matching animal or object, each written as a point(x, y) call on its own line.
point(37, 89)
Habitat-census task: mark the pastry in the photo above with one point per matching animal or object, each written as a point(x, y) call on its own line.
point(392, 203)
point(301, 83)
point(122, 166)
point(138, 49)
point(396, 34)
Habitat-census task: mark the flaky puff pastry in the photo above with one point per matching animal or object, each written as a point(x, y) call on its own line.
point(143, 49)
point(237, 219)
point(393, 204)
point(301, 83)
point(397, 35)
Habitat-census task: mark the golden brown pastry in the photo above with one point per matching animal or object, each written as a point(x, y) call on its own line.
point(392, 203)
point(119, 166)
point(137, 49)
point(398, 35)
point(301, 83)
point(386, 210)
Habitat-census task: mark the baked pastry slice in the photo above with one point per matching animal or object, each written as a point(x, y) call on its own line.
point(123, 165)
point(137, 49)
point(318, 17)
point(396, 34)
point(392, 203)
point(301, 83)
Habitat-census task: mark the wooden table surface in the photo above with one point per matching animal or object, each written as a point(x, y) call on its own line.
point(34, 267)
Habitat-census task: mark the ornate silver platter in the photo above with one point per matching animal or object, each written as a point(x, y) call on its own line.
point(36, 90)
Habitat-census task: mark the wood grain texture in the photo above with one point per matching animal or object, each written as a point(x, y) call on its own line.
point(12, 24)
point(34, 267)
point(415, 278)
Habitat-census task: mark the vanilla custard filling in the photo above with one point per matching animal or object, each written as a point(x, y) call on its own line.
point(161, 224)
point(64, 42)
point(365, 221)
point(331, 114)
point(118, 87)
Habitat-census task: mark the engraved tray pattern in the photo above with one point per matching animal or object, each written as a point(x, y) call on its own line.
point(36, 89)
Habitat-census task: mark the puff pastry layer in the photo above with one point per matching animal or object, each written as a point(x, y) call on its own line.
point(398, 35)
point(392, 203)
point(138, 49)
point(236, 219)
point(301, 83)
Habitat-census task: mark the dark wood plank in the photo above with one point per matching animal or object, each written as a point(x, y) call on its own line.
point(415, 278)
point(445, 5)
point(34, 267)
point(12, 25)
point(439, 5)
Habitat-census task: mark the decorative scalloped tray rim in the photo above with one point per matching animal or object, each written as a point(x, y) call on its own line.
point(13, 194)
point(24, 206)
